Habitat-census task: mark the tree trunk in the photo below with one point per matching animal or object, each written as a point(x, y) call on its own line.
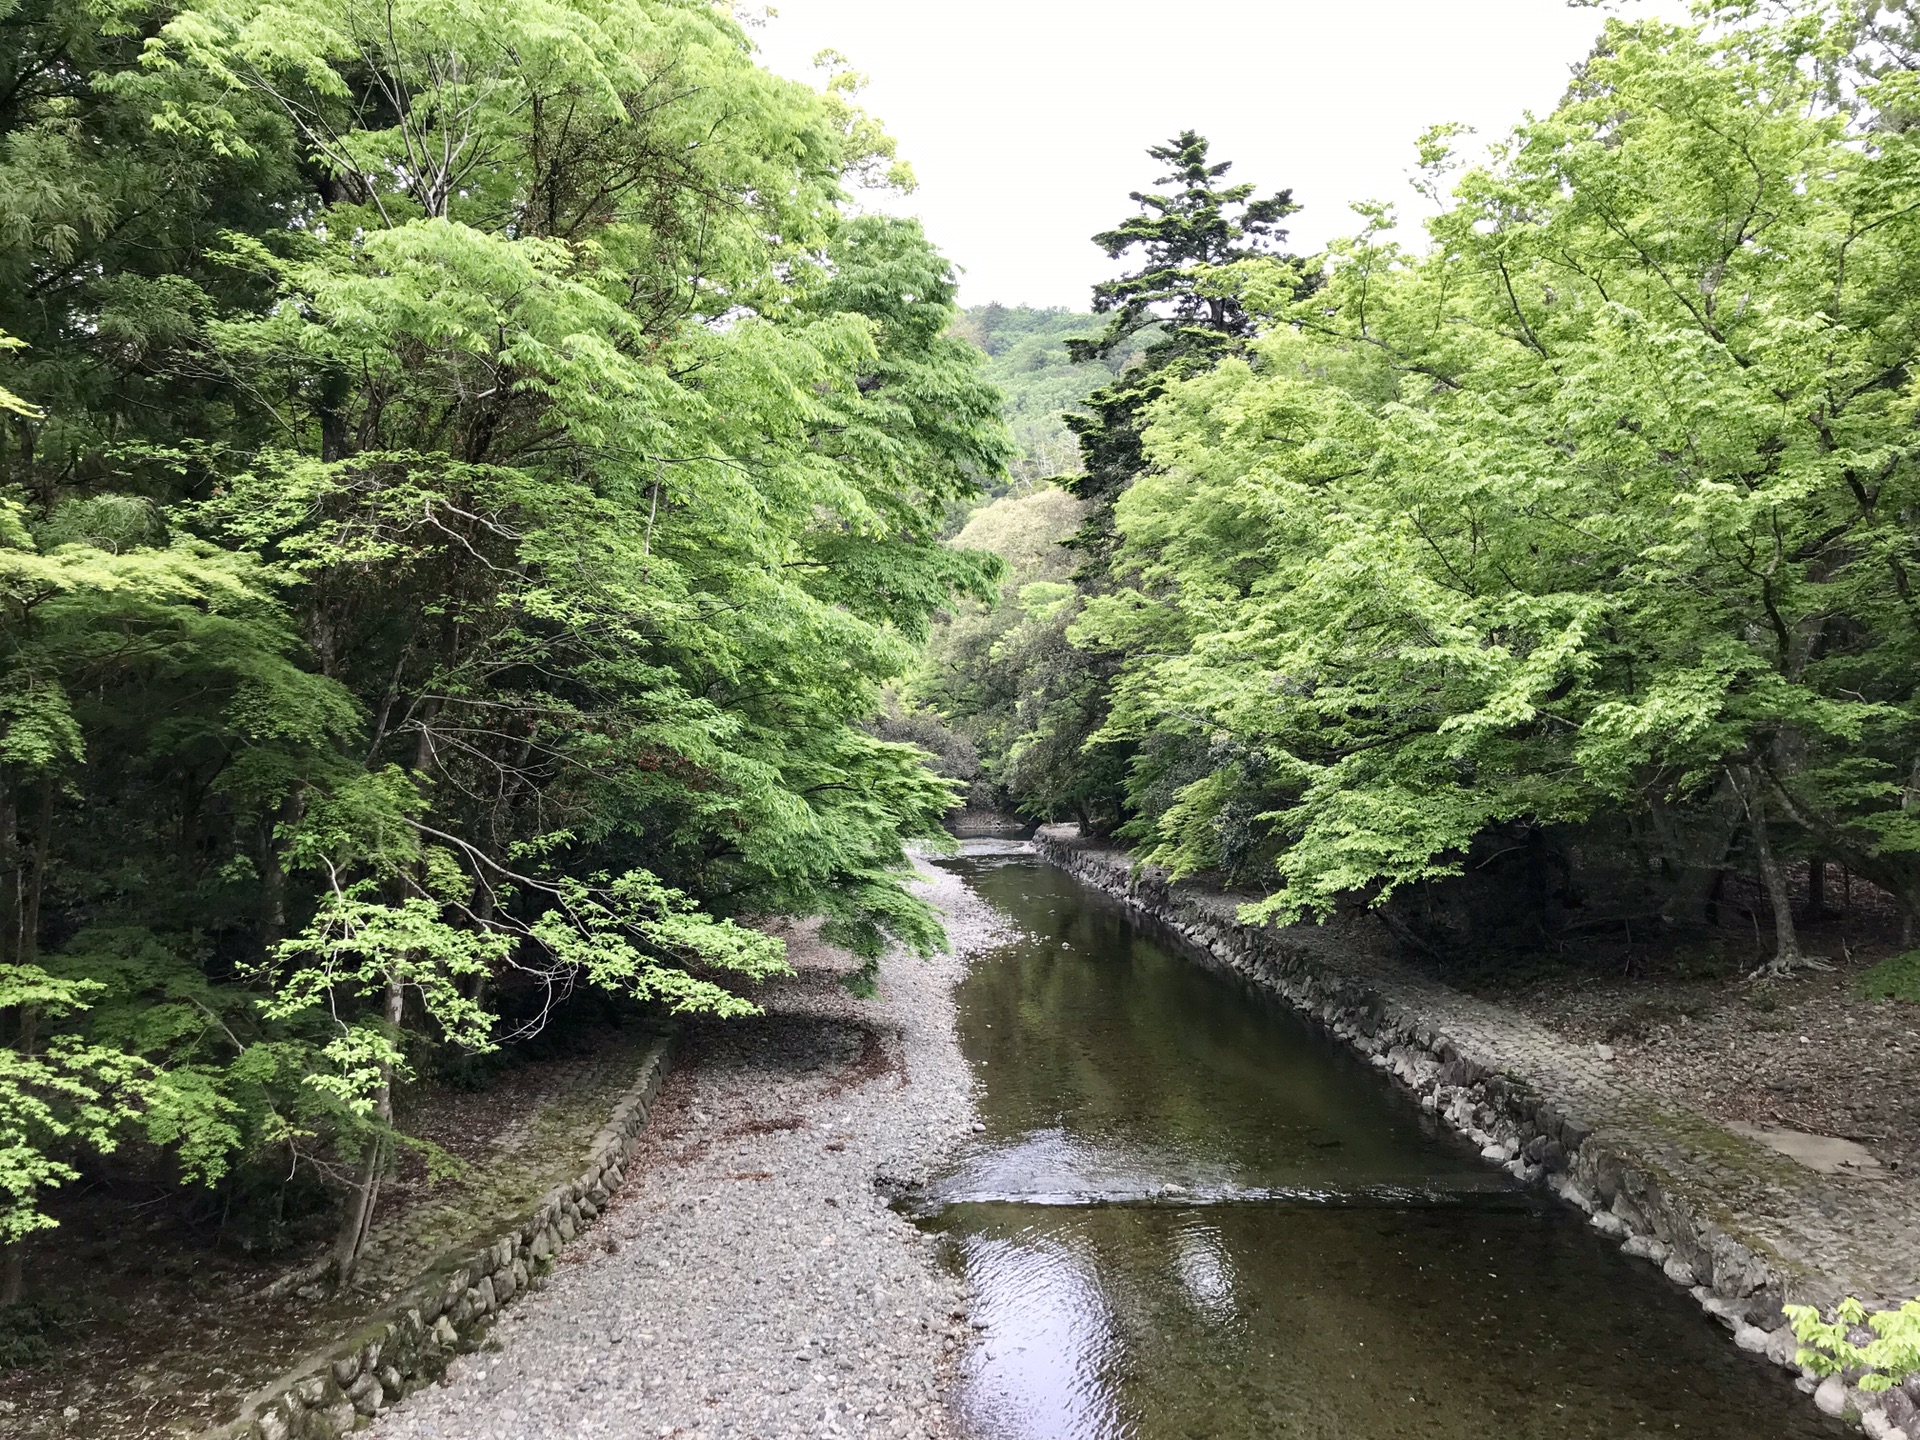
point(357, 1220)
point(1786, 939)
point(12, 1273)
point(273, 873)
point(10, 879)
point(1817, 890)
point(1698, 855)
point(37, 883)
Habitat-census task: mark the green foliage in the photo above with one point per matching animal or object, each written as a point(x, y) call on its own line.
point(1007, 677)
point(465, 483)
point(1027, 361)
point(1888, 1358)
point(1895, 978)
point(1600, 507)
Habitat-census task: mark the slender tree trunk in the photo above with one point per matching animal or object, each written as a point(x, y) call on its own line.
point(1817, 890)
point(12, 1273)
point(37, 883)
point(10, 878)
point(357, 1221)
point(273, 873)
point(1786, 939)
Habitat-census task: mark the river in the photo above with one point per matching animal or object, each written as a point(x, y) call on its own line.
point(1192, 1214)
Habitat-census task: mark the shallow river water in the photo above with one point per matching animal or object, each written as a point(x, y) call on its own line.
point(1193, 1215)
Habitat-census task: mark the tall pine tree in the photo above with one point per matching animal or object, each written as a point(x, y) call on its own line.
point(1184, 237)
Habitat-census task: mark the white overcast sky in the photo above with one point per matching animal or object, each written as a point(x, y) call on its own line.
point(1026, 120)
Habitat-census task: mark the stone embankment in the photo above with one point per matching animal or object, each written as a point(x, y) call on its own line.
point(1741, 1226)
point(342, 1386)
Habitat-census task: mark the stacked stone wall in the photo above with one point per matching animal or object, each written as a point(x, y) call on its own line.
point(340, 1387)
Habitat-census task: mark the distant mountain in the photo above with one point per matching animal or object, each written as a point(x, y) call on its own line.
point(1027, 358)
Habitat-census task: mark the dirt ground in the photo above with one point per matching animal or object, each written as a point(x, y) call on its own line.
point(1809, 1052)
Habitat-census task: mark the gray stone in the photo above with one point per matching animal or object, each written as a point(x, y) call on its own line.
point(392, 1382)
point(445, 1333)
point(1783, 1347)
point(1679, 1271)
point(310, 1391)
point(1730, 1313)
point(1645, 1247)
point(338, 1417)
point(364, 1392)
point(346, 1368)
point(1750, 1338)
point(1898, 1405)
point(1830, 1395)
point(1609, 1224)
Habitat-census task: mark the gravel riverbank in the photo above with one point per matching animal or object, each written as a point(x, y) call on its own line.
point(749, 1280)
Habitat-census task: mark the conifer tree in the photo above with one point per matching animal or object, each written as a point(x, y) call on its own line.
point(1184, 237)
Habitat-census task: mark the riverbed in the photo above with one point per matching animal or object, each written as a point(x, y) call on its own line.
point(1192, 1214)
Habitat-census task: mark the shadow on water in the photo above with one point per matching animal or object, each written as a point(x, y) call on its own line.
point(1194, 1215)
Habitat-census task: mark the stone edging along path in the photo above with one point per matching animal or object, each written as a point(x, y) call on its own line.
point(334, 1389)
point(1743, 1228)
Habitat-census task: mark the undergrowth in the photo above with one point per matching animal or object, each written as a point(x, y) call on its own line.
point(28, 1331)
point(1895, 978)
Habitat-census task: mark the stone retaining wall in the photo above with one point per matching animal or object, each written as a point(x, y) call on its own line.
point(1622, 1159)
point(342, 1386)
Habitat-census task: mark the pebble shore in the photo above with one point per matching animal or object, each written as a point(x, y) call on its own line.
point(750, 1279)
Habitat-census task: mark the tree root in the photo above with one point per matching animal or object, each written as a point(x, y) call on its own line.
point(1783, 967)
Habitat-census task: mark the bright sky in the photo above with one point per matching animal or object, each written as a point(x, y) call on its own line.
point(1026, 120)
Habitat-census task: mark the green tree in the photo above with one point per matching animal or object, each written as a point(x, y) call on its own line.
point(1600, 509)
point(1186, 238)
point(468, 483)
point(1069, 760)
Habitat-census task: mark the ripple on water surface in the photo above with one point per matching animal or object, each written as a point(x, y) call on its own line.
point(1192, 1215)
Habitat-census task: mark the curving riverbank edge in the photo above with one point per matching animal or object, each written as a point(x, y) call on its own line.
point(338, 1387)
point(1721, 1216)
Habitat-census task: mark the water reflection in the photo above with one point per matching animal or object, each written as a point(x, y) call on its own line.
point(1041, 1369)
point(1206, 1271)
point(1192, 1215)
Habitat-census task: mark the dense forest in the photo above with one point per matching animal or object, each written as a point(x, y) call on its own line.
point(1553, 570)
point(466, 475)
point(488, 523)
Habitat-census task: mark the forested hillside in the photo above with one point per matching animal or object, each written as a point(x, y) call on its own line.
point(466, 479)
point(1029, 363)
point(1560, 560)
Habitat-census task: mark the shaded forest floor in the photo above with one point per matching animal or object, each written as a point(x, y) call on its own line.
point(1808, 1053)
point(157, 1321)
